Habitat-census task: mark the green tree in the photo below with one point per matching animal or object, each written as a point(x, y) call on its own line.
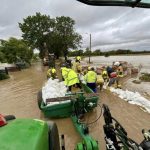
point(97, 52)
point(66, 34)
point(76, 53)
point(80, 52)
point(2, 57)
point(37, 30)
point(15, 49)
point(53, 35)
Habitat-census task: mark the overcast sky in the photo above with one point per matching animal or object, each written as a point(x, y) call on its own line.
point(110, 27)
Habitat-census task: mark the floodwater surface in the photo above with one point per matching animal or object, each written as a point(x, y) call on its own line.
point(18, 96)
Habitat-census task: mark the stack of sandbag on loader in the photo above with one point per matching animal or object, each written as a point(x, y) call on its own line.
point(52, 100)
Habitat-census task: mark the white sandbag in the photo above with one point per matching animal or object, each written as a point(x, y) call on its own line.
point(132, 98)
point(53, 89)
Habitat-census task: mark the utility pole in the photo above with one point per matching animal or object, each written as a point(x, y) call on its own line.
point(90, 49)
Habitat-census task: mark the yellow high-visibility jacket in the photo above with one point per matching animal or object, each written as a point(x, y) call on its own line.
point(76, 66)
point(91, 77)
point(104, 74)
point(99, 79)
point(65, 72)
point(70, 76)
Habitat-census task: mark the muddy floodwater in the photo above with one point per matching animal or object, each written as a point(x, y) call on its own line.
point(18, 96)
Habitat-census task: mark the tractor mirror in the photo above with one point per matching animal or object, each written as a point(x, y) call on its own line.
point(127, 3)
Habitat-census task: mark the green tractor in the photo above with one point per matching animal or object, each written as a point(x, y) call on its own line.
point(28, 134)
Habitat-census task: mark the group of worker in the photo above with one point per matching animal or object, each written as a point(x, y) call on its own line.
point(114, 73)
point(75, 74)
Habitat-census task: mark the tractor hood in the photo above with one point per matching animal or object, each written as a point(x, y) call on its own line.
point(24, 134)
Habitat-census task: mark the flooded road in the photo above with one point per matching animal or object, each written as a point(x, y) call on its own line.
point(18, 96)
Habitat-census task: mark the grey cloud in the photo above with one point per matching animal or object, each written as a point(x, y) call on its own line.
point(13, 12)
point(110, 27)
point(127, 28)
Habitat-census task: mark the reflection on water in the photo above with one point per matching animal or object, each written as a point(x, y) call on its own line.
point(18, 96)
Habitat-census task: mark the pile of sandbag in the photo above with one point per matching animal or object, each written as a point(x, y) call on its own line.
point(132, 98)
point(53, 89)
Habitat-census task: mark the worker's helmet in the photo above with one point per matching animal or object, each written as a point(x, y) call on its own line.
point(116, 63)
point(78, 58)
point(104, 72)
point(53, 70)
point(89, 68)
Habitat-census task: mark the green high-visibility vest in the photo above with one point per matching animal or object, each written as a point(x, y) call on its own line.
point(91, 77)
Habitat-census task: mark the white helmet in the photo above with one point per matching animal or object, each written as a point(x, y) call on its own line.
point(116, 63)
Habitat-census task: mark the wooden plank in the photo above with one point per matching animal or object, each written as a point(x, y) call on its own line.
point(58, 99)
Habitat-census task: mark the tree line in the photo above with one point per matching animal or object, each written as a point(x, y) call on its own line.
point(98, 52)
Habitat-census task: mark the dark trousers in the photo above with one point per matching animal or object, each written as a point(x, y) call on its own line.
point(92, 86)
point(113, 81)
